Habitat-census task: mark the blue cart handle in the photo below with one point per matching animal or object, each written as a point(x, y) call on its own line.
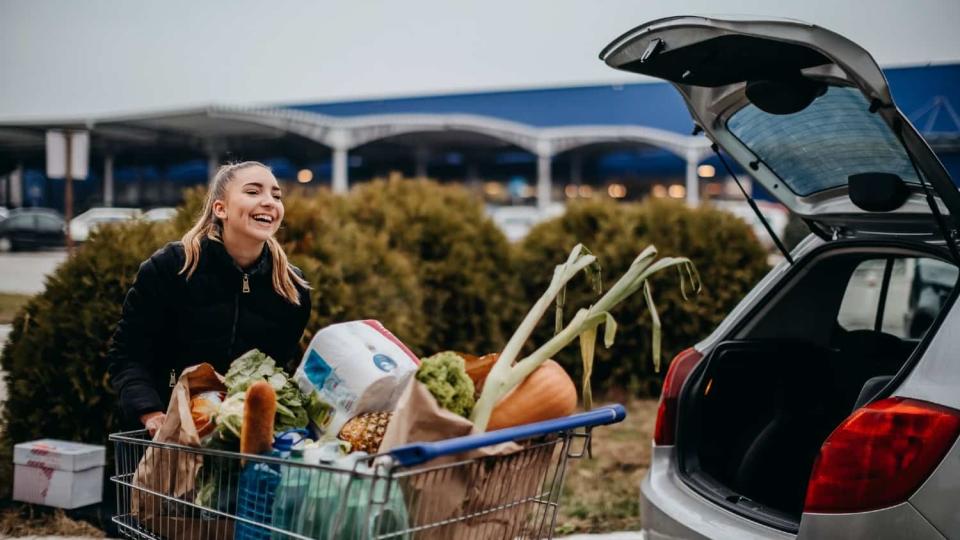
point(417, 453)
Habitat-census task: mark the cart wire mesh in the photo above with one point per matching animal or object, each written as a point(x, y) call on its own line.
point(171, 491)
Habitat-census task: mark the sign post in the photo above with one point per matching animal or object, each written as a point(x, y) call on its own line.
point(67, 157)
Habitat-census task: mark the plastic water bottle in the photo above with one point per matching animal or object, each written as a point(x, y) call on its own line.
point(288, 502)
point(258, 488)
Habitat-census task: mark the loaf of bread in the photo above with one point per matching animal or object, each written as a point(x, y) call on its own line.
point(259, 409)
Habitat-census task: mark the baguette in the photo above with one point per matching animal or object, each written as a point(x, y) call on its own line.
point(259, 409)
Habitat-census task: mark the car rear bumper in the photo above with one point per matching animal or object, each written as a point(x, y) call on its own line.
point(670, 509)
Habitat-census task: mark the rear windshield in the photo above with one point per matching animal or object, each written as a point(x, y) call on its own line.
point(820, 146)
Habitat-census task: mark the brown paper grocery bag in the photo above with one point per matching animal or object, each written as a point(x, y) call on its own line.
point(501, 473)
point(171, 472)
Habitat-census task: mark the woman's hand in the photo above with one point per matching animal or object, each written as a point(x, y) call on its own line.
point(153, 421)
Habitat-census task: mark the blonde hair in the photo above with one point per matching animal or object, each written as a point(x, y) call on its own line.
point(209, 225)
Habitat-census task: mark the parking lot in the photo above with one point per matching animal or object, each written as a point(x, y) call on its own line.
point(24, 272)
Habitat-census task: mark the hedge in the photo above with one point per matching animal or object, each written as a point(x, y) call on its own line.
point(729, 258)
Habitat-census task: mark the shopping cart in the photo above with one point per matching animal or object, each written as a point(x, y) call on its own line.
point(417, 491)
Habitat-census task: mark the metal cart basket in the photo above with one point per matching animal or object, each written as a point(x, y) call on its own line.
point(417, 491)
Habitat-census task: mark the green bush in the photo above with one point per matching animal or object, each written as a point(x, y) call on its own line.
point(354, 272)
point(462, 259)
point(728, 257)
point(55, 356)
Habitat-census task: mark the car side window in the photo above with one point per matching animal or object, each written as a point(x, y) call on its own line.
point(900, 295)
point(49, 224)
point(17, 223)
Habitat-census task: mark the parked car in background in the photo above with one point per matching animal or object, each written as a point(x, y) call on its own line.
point(31, 228)
point(160, 214)
point(826, 404)
point(4, 213)
point(516, 221)
point(82, 225)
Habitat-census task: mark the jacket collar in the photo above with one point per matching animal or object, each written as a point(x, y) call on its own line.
point(220, 257)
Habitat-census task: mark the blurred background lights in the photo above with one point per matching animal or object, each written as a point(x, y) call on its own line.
point(706, 171)
point(659, 191)
point(617, 191)
point(677, 191)
point(304, 176)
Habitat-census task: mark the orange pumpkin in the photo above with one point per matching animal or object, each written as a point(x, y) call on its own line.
point(547, 393)
point(478, 367)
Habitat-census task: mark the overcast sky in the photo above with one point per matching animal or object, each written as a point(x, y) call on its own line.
point(89, 57)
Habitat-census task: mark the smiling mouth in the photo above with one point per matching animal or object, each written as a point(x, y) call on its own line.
point(263, 218)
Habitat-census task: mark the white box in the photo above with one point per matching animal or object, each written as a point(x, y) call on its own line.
point(58, 473)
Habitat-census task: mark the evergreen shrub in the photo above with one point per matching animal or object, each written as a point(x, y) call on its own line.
point(461, 258)
point(727, 255)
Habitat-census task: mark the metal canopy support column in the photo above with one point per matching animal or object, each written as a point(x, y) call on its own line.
point(340, 141)
point(340, 178)
point(16, 187)
point(108, 180)
point(544, 174)
point(421, 157)
point(213, 163)
point(693, 180)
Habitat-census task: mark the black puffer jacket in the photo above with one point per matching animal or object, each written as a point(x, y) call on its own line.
point(170, 323)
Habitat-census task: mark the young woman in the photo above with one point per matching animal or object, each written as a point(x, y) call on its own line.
point(222, 290)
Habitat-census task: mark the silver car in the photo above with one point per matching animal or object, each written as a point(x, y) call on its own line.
point(819, 408)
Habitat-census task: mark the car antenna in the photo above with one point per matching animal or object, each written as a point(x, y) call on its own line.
point(753, 205)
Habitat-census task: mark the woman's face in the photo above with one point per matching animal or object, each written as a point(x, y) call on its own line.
point(251, 208)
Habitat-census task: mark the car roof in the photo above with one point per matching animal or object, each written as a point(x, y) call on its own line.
point(35, 211)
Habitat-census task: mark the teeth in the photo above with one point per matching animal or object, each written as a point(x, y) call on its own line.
point(263, 218)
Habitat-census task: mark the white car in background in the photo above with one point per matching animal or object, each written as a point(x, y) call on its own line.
point(160, 214)
point(82, 225)
point(516, 221)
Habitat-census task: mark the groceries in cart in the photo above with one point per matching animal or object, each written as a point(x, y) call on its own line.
point(366, 440)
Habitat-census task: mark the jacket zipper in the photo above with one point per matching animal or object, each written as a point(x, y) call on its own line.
point(245, 289)
point(173, 378)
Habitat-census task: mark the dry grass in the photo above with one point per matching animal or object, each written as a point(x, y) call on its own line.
point(10, 304)
point(602, 494)
point(29, 520)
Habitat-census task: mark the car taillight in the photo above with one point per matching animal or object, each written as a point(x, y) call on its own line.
point(880, 455)
point(666, 429)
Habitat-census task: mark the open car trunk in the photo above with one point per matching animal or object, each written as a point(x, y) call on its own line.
point(756, 411)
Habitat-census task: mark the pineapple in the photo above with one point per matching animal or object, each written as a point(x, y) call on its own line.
point(365, 431)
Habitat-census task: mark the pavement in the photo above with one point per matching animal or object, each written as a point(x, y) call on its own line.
point(24, 272)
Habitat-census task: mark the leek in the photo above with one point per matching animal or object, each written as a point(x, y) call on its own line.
point(507, 373)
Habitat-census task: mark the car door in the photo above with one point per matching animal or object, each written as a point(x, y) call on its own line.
point(20, 229)
point(806, 112)
point(49, 231)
